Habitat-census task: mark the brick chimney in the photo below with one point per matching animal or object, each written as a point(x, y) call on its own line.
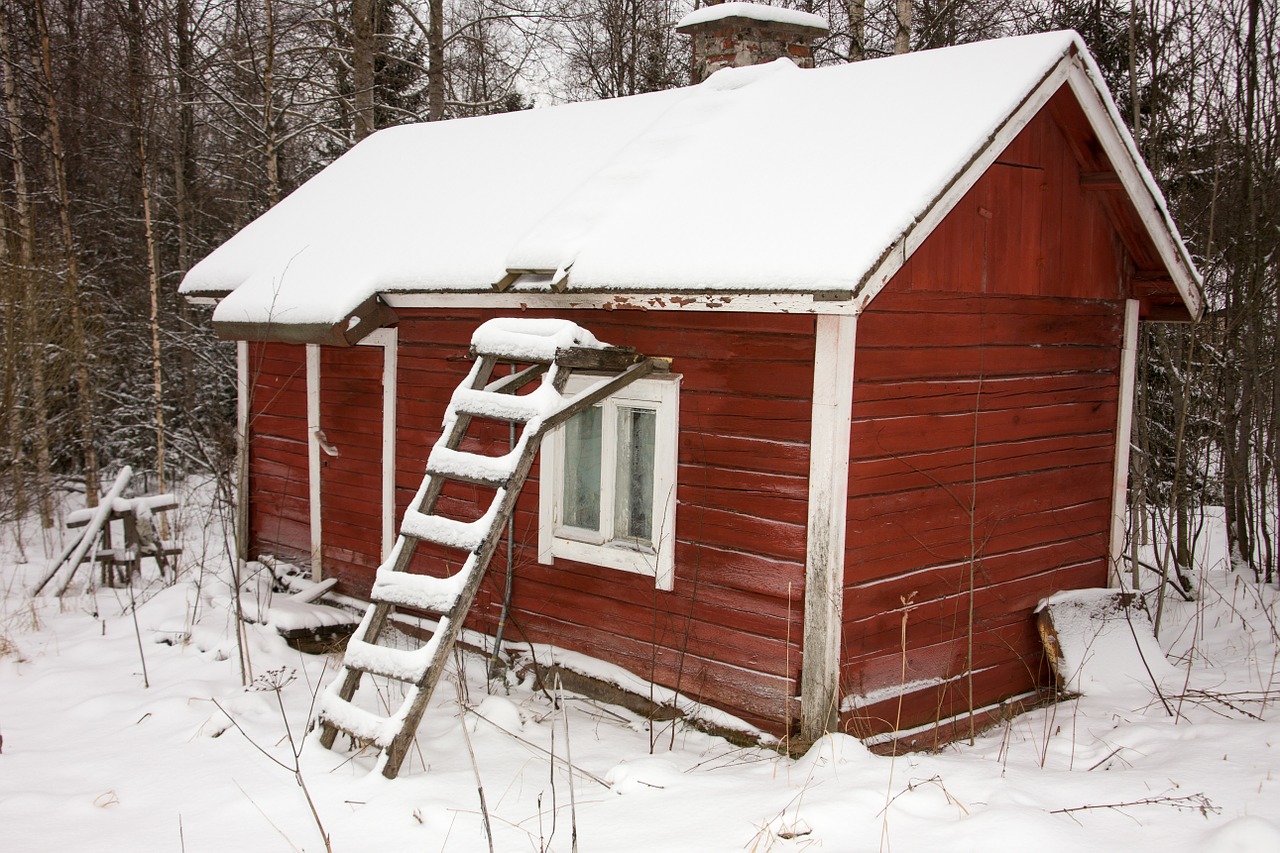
point(732, 35)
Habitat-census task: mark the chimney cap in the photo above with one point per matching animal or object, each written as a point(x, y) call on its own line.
point(750, 13)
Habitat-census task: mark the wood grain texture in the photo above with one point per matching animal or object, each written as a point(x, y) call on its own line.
point(351, 482)
point(279, 522)
point(983, 440)
point(729, 631)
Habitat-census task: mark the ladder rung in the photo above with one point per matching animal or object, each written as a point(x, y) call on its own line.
point(472, 467)
point(407, 665)
point(421, 592)
point(499, 407)
point(362, 725)
point(552, 349)
point(463, 535)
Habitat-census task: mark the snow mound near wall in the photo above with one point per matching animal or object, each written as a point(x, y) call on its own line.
point(1105, 643)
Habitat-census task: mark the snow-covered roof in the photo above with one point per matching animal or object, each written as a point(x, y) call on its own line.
point(768, 179)
point(755, 12)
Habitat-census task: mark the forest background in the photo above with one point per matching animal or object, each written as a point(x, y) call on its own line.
point(136, 135)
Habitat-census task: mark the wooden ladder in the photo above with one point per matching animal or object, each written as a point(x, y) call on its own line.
point(538, 345)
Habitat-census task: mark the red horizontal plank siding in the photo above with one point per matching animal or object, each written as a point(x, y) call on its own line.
point(351, 482)
point(982, 443)
point(728, 633)
point(279, 518)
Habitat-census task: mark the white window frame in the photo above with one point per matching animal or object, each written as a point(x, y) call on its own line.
point(662, 395)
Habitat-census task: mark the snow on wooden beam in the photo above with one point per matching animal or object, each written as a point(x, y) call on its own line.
point(370, 315)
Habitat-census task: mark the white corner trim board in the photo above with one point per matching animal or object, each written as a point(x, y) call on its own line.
point(243, 392)
point(1124, 430)
point(389, 340)
point(313, 457)
point(828, 497)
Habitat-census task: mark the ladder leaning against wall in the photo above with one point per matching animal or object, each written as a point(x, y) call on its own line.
point(549, 351)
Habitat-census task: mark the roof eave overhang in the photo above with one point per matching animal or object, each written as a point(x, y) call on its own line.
point(1070, 71)
point(368, 316)
point(1142, 194)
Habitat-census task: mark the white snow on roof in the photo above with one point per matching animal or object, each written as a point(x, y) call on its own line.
point(754, 11)
point(763, 179)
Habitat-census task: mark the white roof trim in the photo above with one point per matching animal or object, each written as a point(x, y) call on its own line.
point(1137, 181)
point(911, 240)
point(745, 303)
point(1119, 148)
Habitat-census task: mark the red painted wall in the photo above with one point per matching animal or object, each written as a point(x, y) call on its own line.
point(982, 445)
point(279, 514)
point(729, 632)
point(351, 482)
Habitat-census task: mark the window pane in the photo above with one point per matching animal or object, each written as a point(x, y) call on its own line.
point(633, 491)
point(582, 469)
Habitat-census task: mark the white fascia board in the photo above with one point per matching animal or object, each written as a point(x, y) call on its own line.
point(749, 303)
point(915, 235)
point(1138, 183)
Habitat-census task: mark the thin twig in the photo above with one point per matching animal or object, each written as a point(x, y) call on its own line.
point(1190, 802)
point(475, 766)
point(568, 762)
point(137, 632)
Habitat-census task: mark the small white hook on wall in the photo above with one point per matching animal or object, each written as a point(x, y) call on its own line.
point(325, 445)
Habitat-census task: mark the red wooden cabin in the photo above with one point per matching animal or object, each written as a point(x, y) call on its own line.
point(900, 300)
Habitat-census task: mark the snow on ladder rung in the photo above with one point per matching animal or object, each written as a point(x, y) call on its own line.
point(463, 535)
point(472, 467)
point(421, 592)
point(500, 407)
point(406, 665)
point(364, 726)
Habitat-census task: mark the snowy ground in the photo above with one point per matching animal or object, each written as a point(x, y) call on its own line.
point(93, 758)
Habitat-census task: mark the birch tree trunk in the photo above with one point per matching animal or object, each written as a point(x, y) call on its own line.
point(363, 44)
point(435, 62)
point(79, 344)
point(135, 28)
point(857, 10)
point(29, 331)
point(271, 145)
point(902, 40)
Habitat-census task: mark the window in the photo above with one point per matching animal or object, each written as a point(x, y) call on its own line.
point(611, 472)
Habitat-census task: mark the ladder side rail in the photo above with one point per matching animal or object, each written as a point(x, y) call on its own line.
point(588, 397)
point(406, 546)
point(451, 624)
point(378, 614)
